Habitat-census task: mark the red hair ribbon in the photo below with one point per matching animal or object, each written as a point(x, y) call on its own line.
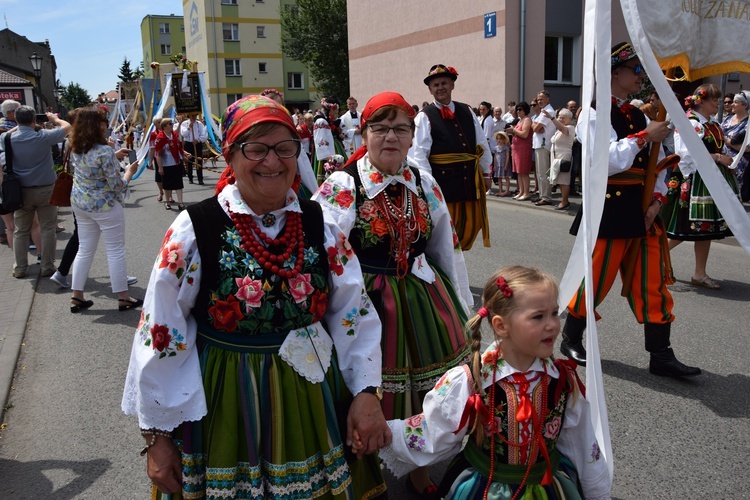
point(483, 312)
point(504, 287)
point(474, 408)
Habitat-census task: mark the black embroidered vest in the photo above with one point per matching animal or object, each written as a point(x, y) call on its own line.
point(457, 180)
point(273, 309)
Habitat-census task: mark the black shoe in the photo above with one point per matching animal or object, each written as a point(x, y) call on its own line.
point(574, 351)
point(191, 181)
point(124, 305)
point(77, 304)
point(201, 183)
point(664, 364)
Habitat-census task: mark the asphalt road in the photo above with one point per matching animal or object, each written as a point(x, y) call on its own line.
point(67, 438)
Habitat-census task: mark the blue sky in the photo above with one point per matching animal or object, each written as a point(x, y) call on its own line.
point(89, 39)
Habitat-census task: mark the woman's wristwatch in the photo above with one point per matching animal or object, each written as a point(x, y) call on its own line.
point(376, 391)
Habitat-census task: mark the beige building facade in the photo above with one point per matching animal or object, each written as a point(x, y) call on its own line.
point(536, 44)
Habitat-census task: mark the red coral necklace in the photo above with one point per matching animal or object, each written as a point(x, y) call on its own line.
point(255, 242)
point(402, 225)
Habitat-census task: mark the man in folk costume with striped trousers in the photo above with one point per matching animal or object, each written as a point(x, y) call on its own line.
point(450, 144)
point(622, 226)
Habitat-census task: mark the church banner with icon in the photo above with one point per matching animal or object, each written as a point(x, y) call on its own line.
point(186, 93)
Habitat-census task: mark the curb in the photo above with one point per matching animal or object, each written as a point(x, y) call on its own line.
point(16, 299)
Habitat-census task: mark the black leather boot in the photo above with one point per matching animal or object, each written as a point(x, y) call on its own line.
point(663, 361)
point(572, 343)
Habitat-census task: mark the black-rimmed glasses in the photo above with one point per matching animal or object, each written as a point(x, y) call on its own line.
point(256, 151)
point(380, 130)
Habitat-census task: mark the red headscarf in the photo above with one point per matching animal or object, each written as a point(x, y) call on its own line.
point(241, 116)
point(375, 103)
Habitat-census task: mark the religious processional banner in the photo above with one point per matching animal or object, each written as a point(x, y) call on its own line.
point(699, 36)
point(710, 37)
point(186, 93)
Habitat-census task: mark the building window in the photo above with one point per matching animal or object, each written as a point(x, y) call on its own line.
point(232, 67)
point(164, 28)
point(182, 28)
point(231, 32)
point(229, 2)
point(262, 68)
point(560, 58)
point(261, 31)
point(166, 50)
point(183, 49)
point(260, 1)
point(295, 81)
point(233, 98)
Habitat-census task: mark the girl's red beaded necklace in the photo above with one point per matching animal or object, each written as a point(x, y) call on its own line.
point(271, 253)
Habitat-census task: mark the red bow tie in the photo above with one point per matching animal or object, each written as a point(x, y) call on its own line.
point(625, 108)
point(446, 113)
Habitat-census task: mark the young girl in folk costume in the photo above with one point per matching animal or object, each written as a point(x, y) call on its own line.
point(520, 406)
point(502, 163)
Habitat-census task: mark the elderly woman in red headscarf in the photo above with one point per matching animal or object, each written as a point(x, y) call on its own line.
point(399, 226)
point(255, 333)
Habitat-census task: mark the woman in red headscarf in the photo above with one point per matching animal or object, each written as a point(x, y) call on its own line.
point(236, 382)
point(399, 226)
point(169, 155)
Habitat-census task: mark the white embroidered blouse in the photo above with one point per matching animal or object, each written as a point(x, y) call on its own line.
point(429, 438)
point(336, 195)
point(164, 386)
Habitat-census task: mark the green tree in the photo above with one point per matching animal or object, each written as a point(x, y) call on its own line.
point(137, 74)
point(126, 74)
point(314, 32)
point(74, 96)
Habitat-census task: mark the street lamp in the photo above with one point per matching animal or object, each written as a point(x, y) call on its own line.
point(36, 65)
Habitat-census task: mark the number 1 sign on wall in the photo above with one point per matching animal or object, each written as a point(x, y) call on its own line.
point(490, 24)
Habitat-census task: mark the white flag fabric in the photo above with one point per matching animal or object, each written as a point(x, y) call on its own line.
point(703, 38)
point(596, 56)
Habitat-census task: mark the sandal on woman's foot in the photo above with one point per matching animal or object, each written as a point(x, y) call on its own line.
point(429, 492)
point(181, 206)
point(125, 304)
point(705, 282)
point(160, 198)
point(77, 304)
point(168, 206)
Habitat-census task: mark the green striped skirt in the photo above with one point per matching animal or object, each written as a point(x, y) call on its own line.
point(270, 433)
point(423, 335)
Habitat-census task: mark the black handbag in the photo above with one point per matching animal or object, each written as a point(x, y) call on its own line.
point(565, 166)
point(10, 191)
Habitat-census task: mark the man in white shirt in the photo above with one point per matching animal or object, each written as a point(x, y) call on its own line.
point(350, 127)
point(542, 142)
point(450, 144)
point(193, 134)
point(498, 124)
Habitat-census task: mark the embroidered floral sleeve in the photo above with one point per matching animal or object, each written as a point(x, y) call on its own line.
point(434, 435)
point(443, 246)
point(163, 385)
point(351, 318)
point(336, 196)
point(577, 441)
